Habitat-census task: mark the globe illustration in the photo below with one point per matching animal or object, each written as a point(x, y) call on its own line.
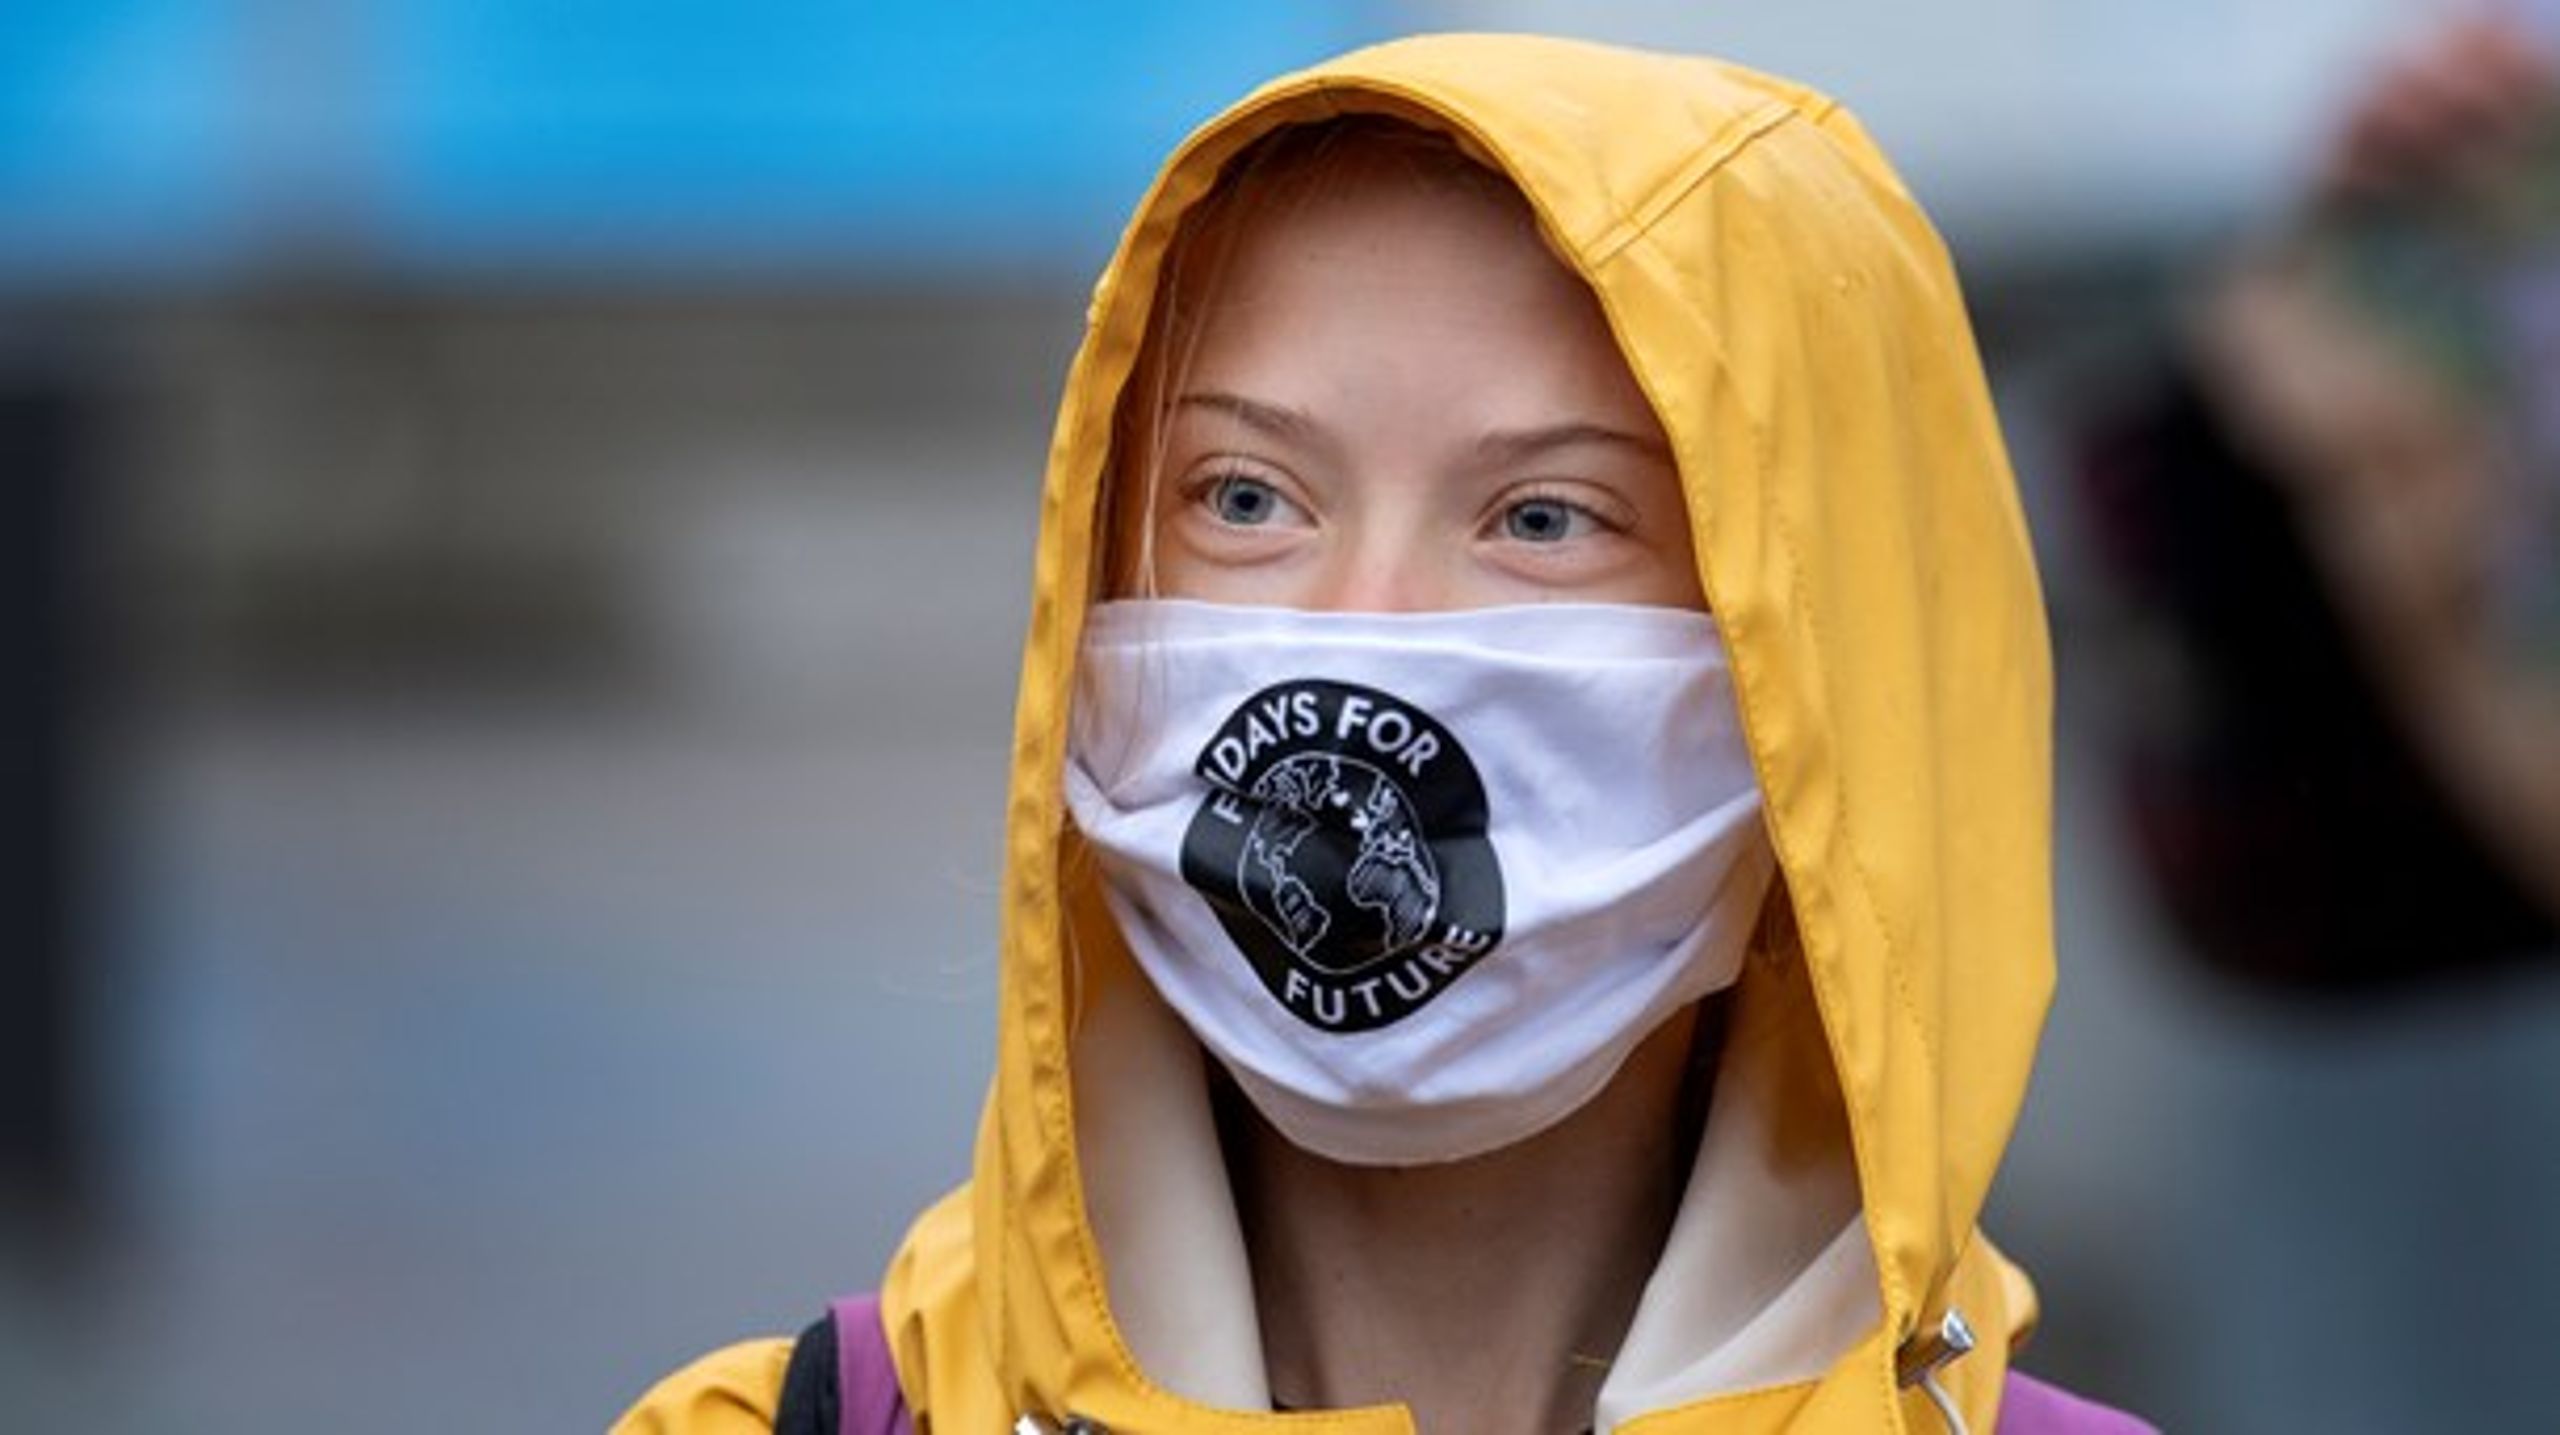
point(1336, 863)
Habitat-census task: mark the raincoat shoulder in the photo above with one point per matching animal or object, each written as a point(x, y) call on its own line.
point(732, 1391)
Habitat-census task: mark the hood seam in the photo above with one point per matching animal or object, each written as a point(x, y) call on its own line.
point(1719, 149)
point(1897, 1298)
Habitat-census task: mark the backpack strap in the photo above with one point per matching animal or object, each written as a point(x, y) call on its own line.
point(810, 1402)
point(842, 1380)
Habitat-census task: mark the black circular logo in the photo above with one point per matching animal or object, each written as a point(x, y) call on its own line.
point(1343, 846)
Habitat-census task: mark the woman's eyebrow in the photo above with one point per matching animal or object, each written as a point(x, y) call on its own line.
point(1276, 420)
point(1500, 446)
point(1508, 446)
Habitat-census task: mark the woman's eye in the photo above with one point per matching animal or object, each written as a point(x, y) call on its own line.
point(1544, 520)
point(1244, 501)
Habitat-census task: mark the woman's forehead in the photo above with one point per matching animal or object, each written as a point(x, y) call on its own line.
point(1352, 276)
point(1360, 212)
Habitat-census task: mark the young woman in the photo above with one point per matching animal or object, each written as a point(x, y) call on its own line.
point(1527, 889)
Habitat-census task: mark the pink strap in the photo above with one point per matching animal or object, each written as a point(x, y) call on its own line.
point(866, 1376)
point(2028, 1406)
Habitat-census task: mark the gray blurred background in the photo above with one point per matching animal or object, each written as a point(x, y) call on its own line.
point(521, 528)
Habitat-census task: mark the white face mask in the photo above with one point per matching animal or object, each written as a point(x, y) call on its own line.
point(1420, 880)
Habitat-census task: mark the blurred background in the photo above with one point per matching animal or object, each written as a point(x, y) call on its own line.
point(517, 519)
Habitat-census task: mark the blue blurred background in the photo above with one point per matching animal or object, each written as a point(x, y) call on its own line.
point(521, 525)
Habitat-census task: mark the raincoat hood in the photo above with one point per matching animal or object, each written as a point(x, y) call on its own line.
point(1796, 325)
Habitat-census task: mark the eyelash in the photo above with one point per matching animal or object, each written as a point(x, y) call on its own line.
point(1203, 488)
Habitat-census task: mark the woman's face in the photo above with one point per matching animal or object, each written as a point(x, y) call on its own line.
point(1396, 399)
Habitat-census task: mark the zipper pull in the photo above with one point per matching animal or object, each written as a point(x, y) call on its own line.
point(1923, 1356)
point(1928, 1353)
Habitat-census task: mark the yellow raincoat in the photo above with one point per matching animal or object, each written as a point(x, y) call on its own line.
point(1796, 325)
